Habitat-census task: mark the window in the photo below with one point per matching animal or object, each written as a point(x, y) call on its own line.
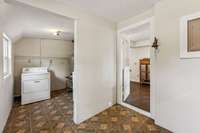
point(6, 55)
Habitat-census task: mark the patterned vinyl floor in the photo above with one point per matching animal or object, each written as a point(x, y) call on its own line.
point(55, 116)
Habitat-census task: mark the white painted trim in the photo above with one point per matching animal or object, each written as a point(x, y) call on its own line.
point(184, 37)
point(141, 44)
point(75, 75)
point(5, 36)
point(143, 112)
point(152, 75)
point(5, 76)
point(152, 70)
point(148, 20)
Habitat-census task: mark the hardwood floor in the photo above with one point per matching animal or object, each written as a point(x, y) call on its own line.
point(139, 96)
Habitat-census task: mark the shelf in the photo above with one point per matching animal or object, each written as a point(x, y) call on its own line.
point(144, 71)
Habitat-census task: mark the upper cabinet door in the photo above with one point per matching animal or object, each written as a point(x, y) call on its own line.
point(194, 35)
point(56, 48)
point(27, 47)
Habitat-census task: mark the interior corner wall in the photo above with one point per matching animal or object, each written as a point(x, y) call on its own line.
point(177, 92)
point(95, 59)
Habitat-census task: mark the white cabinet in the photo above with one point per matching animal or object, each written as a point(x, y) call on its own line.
point(56, 48)
point(35, 47)
point(29, 47)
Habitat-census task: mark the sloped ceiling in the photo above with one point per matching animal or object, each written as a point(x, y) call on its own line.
point(23, 21)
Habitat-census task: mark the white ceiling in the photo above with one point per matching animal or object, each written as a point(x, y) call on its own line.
point(24, 21)
point(114, 10)
point(19, 20)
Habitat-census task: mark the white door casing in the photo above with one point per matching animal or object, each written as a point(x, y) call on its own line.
point(120, 67)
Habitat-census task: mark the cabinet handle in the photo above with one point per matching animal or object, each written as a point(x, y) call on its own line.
point(36, 81)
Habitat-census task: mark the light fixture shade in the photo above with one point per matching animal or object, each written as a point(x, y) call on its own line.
point(58, 33)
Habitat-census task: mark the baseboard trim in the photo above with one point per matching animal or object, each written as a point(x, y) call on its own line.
point(19, 96)
point(8, 117)
point(163, 126)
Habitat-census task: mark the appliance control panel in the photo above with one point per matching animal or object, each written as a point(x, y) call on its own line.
point(34, 69)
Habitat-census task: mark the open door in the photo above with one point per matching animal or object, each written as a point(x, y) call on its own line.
point(126, 67)
point(126, 81)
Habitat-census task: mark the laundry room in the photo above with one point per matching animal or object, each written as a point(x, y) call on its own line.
point(43, 54)
point(54, 55)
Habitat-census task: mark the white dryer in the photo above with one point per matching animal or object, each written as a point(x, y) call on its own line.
point(35, 84)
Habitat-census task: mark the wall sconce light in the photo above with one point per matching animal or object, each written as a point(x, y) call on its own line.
point(155, 43)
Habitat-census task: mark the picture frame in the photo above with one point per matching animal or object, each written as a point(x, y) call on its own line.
point(186, 36)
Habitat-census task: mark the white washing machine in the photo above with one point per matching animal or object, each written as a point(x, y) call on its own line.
point(35, 84)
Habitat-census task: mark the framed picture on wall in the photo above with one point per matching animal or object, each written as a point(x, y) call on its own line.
point(190, 36)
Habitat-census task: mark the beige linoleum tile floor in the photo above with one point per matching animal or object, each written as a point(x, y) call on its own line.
point(55, 116)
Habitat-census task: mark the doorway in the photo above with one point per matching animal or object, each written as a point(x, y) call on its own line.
point(45, 40)
point(135, 67)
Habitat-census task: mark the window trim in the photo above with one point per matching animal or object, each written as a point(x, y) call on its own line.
point(184, 53)
point(5, 75)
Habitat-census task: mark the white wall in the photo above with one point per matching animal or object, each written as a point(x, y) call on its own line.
point(6, 91)
point(36, 52)
point(137, 53)
point(177, 93)
point(6, 85)
point(95, 68)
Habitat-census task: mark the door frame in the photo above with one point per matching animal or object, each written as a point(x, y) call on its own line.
point(150, 114)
